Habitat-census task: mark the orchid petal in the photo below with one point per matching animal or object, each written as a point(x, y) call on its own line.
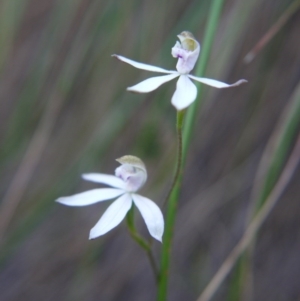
point(113, 216)
point(142, 65)
point(90, 197)
point(185, 94)
point(152, 83)
point(105, 179)
point(216, 83)
point(151, 214)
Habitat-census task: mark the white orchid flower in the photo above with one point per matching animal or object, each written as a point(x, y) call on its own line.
point(130, 177)
point(187, 52)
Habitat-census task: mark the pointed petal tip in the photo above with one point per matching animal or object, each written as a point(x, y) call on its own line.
point(157, 236)
point(159, 239)
point(238, 83)
point(241, 81)
point(131, 90)
point(64, 201)
point(118, 57)
point(92, 236)
point(61, 200)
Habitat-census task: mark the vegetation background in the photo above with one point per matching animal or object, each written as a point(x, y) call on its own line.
point(65, 111)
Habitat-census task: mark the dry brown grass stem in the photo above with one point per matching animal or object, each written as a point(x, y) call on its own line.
point(287, 14)
point(254, 226)
point(31, 158)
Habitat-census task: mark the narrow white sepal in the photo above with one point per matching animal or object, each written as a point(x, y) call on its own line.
point(113, 216)
point(216, 83)
point(151, 83)
point(90, 197)
point(105, 179)
point(142, 65)
point(151, 214)
point(185, 94)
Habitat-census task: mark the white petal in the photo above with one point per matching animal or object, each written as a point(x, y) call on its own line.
point(90, 197)
point(142, 65)
point(216, 83)
point(152, 83)
point(113, 216)
point(105, 179)
point(151, 215)
point(185, 94)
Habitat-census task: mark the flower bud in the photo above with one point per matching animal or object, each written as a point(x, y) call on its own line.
point(187, 52)
point(132, 171)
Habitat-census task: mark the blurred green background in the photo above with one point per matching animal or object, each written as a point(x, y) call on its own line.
point(65, 111)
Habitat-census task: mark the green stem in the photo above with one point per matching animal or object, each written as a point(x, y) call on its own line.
point(183, 144)
point(171, 214)
point(141, 242)
point(180, 118)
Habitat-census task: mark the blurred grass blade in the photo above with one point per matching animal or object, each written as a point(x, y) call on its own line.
point(211, 27)
point(274, 181)
point(254, 226)
point(28, 164)
point(277, 151)
point(287, 14)
point(32, 91)
point(269, 170)
point(11, 12)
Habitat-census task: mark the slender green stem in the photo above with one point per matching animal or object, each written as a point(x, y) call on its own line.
point(171, 214)
point(180, 118)
point(183, 143)
point(141, 242)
